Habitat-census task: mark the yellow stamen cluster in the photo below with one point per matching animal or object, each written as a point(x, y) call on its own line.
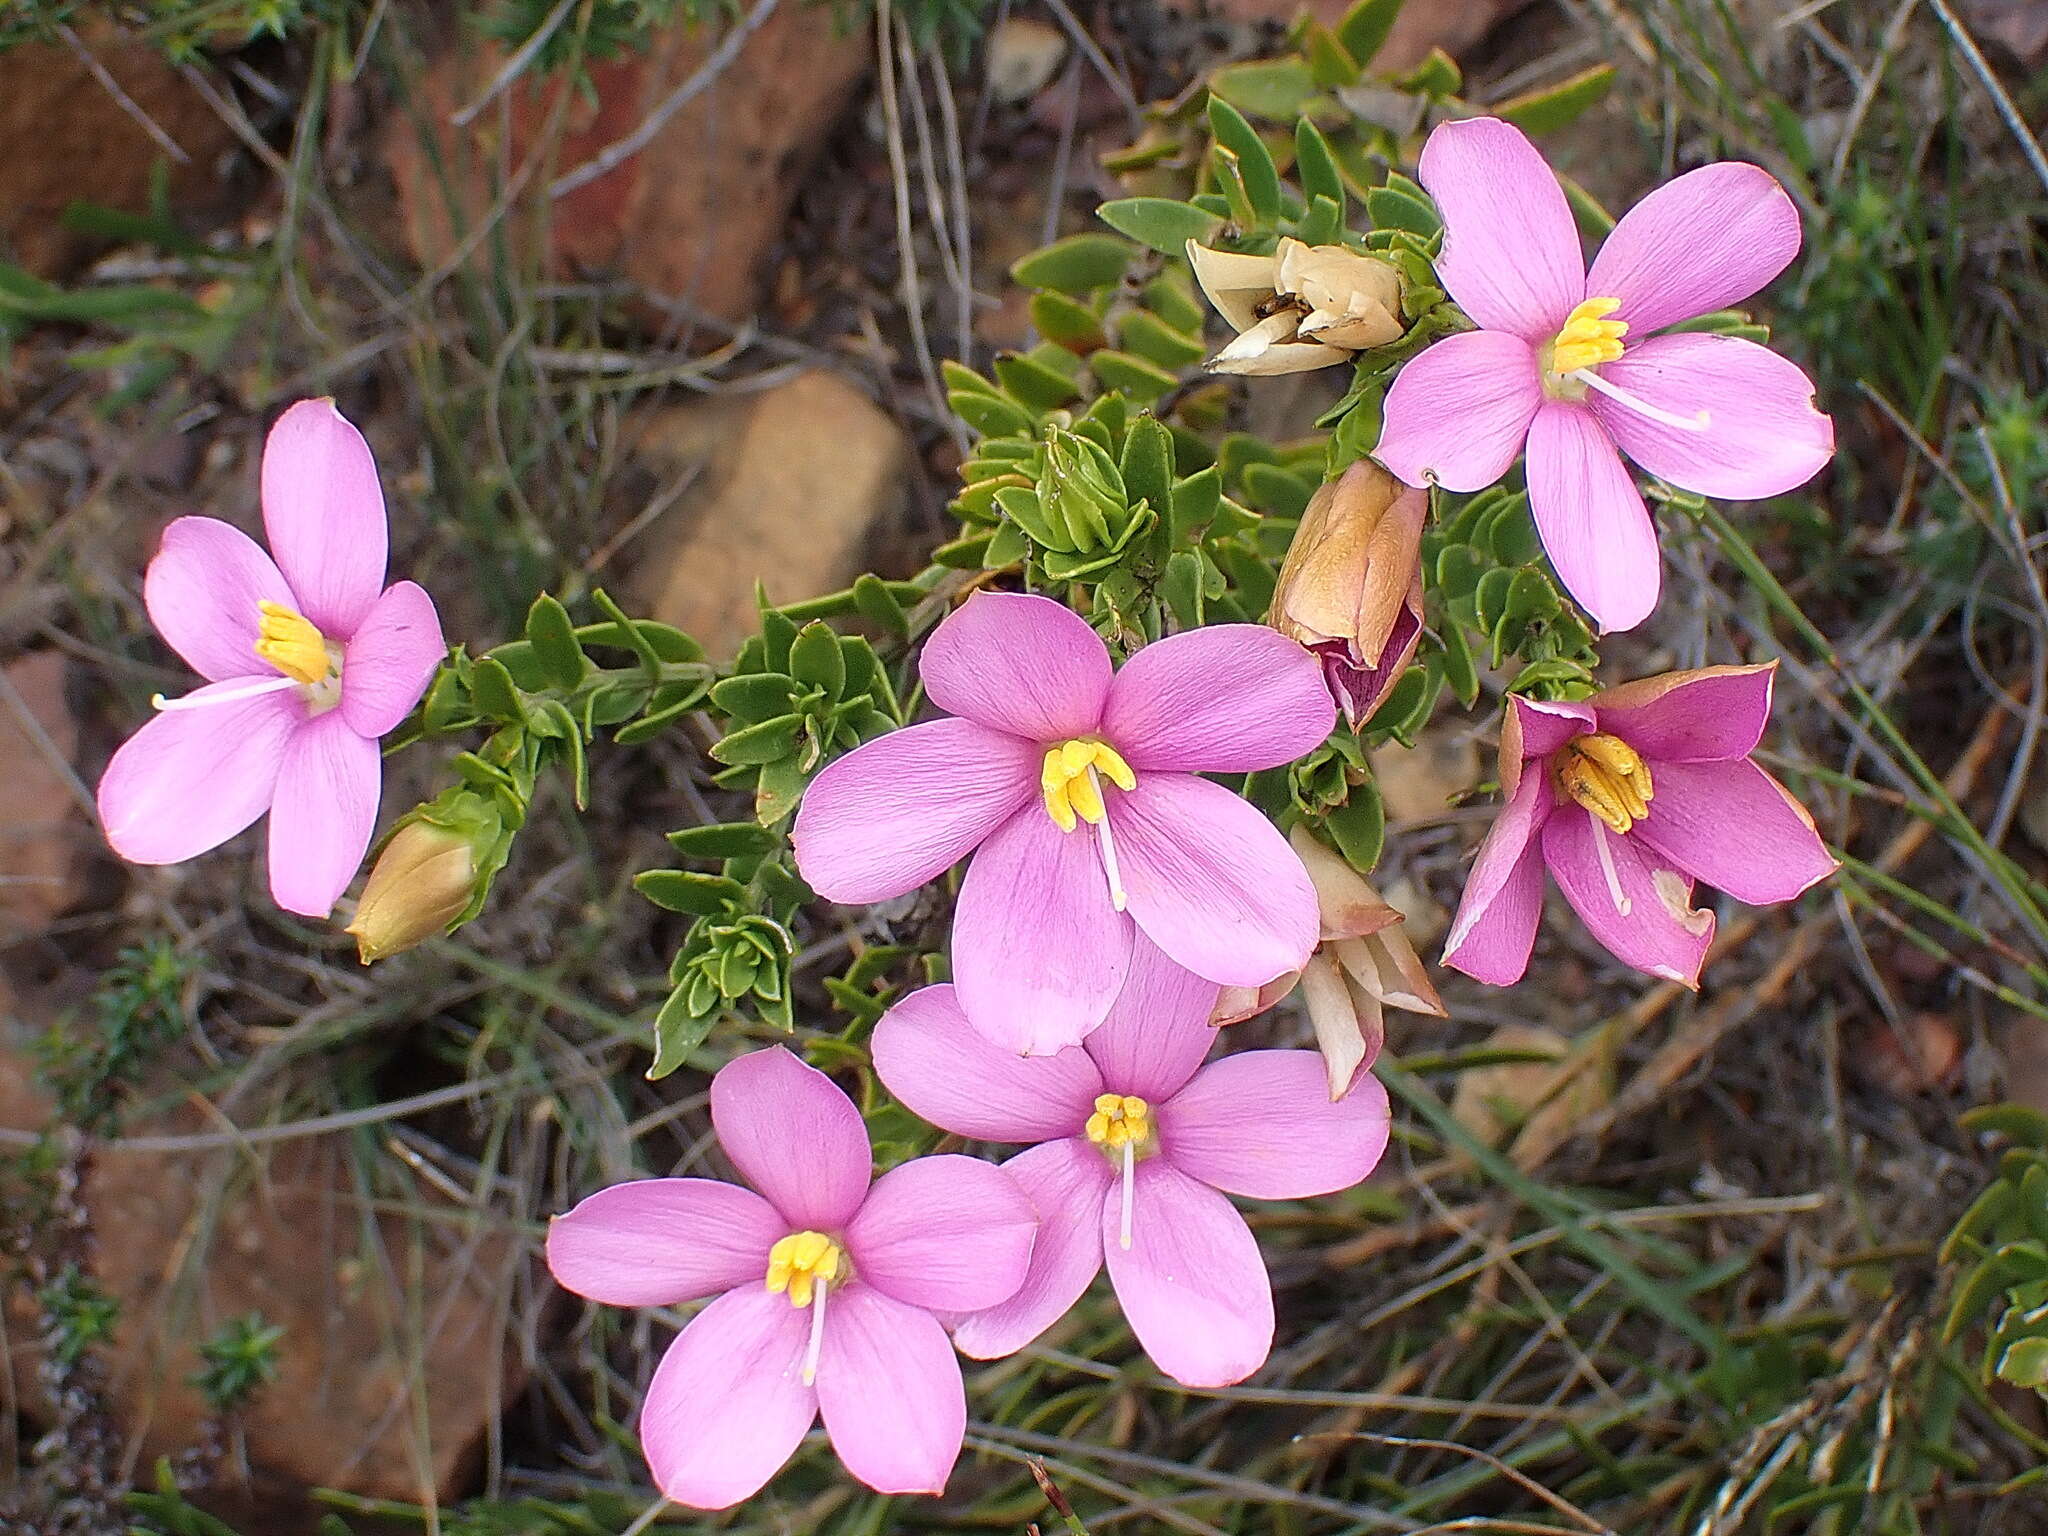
point(290, 643)
point(803, 1261)
point(1120, 1120)
point(1588, 337)
point(1073, 794)
point(1608, 777)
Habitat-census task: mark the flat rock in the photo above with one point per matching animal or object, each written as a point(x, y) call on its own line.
point(394, 1359)
point(88, 146)
point(693, 215)
point(789, 488)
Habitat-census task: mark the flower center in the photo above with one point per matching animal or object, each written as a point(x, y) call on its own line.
point(290, 642)
point(1588, 338)
point(805, 1266)
point(1072, 784)
point(308, 661)
point(1608, 777)
point(1122, 1128)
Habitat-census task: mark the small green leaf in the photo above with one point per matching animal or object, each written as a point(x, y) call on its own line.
point(1038, 386)
point(689, 890)
point(1194, 503)
point(1254, 160)
point(722, 840)
point(1437, 76)
point(678, 1032)
point(879, 606)
point(767, 742)
point(990, 415)
point(494, 693)
point(1077, 265)
point(1066, 321)
point(1272, 88)
point(1133, 375)
point(814, 659)
point(553, 639)
point(1145, 335)
point(1364, 29)
point(1315, 166)
point(1557, 106)
point(1163, 223)
point(1359, 827)
point(1459, 669)
point(754, 696)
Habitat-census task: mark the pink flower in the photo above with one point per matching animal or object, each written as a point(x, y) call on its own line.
point(1567, 361)
point(308, 661)
point(1629, 798)
point(743, 1382)
point(1077, 792)
point(1136, 1149)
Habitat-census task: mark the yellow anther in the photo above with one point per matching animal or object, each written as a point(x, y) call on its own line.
point(1120, 1119)
point(801, 1262)
point(1588, 337)
point(1071, 780)
point(290, 643)
point(1608, 777)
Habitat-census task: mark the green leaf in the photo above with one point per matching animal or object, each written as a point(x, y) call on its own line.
point(1254, 161)
point(1194, 503)
point(1040, 387)
point(1274, 88)
point(1557, 106)
point(1315, 166)
point(495, 694)
point(1275, 491)
point(1437, 76)
point(1323, 224)
point(1359, 827)
point(1077, 265)
point(1394, 207)
point(689, 890)
point(553, 639)
point(1145, 335)
point(1147, 464)
point(1133, 375)
point(1066, 321)
point(678, 1032)
point(1459, 669)
point(814, 658)
point(1328, 60)
point(1172, 299)
point(990, 415)
point(767, 742)
point(1163, 223)
point(879, 606)
point(1364, 29)
point(722, 840)
point(2015, 1122)
point(755, 696)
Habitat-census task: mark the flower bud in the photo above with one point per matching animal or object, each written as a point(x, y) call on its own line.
point(1302, 307)
point(422, 882)
point(1363, 965)
point(1082, 491)
point(1350, 589)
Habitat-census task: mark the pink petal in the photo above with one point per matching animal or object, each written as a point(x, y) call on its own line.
point(1232, 698)
point(1192, 1283)
point(794, 1136)
point(1735, 827)
point(727, 1405)
point(191, 779)
point(945, 1233)
point(1039, 953)
point(1211, 881)
point(1018, 663)
point(1541, 726)
point(1158, 1032)
point(323, 814)
point(391, 659)
point(324, 513)
point(656, 1242)
point(1459, 412)
point(1763, 434)
point(1592, 520)
point(1066, 1181)
point(1495, 928)
point(1647, 922)
point(906, 807)
point(1511, 255)
point(946, 1071)
point(1707, 715)
point(889, 1388)
point(202, 589)
point(1261, 1124)
point(1701, 242)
